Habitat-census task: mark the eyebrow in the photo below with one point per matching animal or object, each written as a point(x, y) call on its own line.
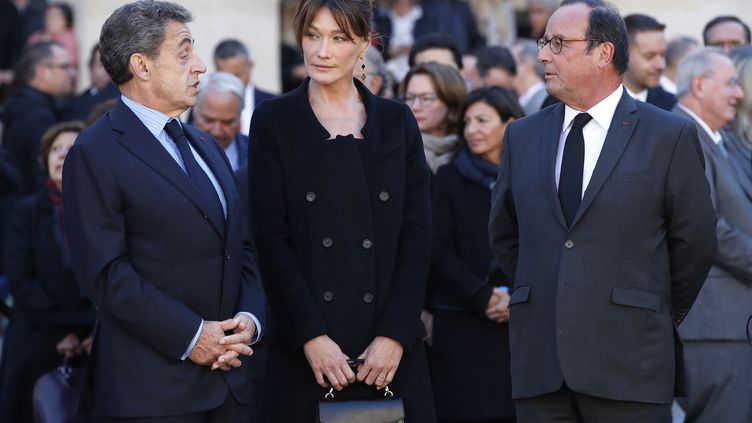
point(188, 40)
point(337, 31)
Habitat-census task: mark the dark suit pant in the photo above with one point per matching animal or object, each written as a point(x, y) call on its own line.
point(719, 382)
point(567, 406)
point(229, 412)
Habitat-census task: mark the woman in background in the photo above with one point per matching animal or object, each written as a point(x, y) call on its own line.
point(434, 93)
point(51, 319)
point(58, 27)
point(470, 352)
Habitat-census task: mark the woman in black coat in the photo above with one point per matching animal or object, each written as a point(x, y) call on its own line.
point(51, 319)
point(340, 202)
point(470, 351)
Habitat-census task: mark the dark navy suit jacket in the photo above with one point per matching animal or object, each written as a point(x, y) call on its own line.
point(152, 263)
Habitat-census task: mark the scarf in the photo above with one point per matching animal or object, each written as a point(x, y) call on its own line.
point(439, 150)
point(475, 169)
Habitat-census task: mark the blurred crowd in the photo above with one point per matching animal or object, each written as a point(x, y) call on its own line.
point(466, 69)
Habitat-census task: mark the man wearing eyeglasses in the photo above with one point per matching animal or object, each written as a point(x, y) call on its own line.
point(726, 32)
point(602, 217)
point(718, 358)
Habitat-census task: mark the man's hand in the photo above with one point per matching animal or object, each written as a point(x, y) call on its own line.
point(498, 306)
point(237, 343)
point(327, 359)
point(87, 343)
point(69, 346)
point(208, 349)
point(427, 318)
point(382, 358)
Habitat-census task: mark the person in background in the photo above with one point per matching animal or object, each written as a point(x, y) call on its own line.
point(434, 93)
point(496, 67)
point(101, 89)
point(51, 318)
point(58, 27)
point(340, 205)
point(470, 298)
point(496, 21)
point(232, 56)
point(726, 32)
point(537, 13)
point(436, 48)
point(714, 332)
point(18, 20)
point(528, 83)
point(676, 49)
point(740, 145)
point(217, 112)
point(647, 59)
point(400, 24)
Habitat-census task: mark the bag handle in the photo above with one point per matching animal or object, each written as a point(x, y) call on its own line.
point(387, 393)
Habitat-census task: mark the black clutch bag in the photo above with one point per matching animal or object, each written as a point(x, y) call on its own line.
point(57, 393)
point(388, 409)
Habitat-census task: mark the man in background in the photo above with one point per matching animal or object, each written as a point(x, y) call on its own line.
point(676, 50)
point(647, 60)
point(726, 33)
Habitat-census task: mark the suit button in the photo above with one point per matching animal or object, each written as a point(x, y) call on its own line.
point(310, 196)
point(368, 298)
point(367, 243)
point(206, 216)
point(328, 296)
point(384, 196)
point(227, 255)
point(327, 242)
point(568, 244)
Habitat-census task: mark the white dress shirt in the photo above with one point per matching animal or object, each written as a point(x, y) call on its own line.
point(249, 102)
point(668, 85)
point(641, 96)
point(594, 134)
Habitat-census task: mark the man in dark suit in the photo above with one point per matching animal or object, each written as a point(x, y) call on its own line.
point(602, 218)
point(158, 238)
point(102, 89)
point(719, 360)
point(647, 60)
point(217, 112)
point(232, 56)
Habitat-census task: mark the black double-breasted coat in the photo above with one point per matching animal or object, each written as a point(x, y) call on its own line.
point(342, 227)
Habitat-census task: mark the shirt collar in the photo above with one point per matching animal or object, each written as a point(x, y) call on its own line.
point(641, 96)
point(602, 113)
point(714, 135)
point(154, 121)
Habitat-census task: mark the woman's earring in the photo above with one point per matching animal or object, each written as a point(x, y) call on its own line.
point(363, 70)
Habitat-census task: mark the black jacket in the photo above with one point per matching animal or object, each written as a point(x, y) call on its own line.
point(342, 227)
point(661, 98)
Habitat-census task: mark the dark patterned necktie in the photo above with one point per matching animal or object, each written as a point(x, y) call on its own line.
point(212, 207)
point(572, 161)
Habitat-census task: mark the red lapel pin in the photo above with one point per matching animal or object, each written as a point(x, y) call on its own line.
point(625, 123)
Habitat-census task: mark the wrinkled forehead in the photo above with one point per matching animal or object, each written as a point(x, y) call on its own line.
point(177, 35)
point(569, 21)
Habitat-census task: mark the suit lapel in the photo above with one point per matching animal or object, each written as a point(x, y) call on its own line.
point(619, 132)
point(551, 134)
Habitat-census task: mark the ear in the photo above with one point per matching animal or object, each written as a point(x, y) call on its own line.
point(697, 87)
point(605, 52)
point(140, 66)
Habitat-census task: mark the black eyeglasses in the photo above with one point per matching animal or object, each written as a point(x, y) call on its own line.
point(556, 43)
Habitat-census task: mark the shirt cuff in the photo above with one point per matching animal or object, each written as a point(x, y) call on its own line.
point(193, 341)
point(257, 335)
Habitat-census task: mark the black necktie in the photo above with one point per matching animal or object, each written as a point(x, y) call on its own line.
point(212, 206)
point(572, 161)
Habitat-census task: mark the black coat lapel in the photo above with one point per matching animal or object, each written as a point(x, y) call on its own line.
point(622, 125)
point(552, 124)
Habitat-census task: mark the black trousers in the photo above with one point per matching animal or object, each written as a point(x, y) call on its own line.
point(567, 406)
point(231, 411)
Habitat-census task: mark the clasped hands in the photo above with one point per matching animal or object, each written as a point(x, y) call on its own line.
point(381, 360)
point(498, 306)
point(221, 351)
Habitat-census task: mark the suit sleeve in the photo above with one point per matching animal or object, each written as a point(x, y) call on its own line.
point(690, 222)
point(97, 233)
point(452, 276)
point(252, 298)
point(502, 226)
point(406, 295)
point(281, 274)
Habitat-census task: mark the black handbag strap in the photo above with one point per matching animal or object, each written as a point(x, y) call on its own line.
point(387, 393)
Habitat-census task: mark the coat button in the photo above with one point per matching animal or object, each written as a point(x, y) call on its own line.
point(227, 255)
point(328, 296)
point(568, 244)
point(367, 243)
point(310, 196)
point(368, 298)
point(206, 216)
point(327, 242)
point(384, 196)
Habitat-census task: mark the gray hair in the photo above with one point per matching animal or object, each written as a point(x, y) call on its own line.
point(375, 61)
point(222, 82)
point(137, 27)
point(527, 50)
point(743, 61)
point(677, 48)
point(697, 63)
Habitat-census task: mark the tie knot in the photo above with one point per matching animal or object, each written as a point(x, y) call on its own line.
point(581, 120)
point(174, 130)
